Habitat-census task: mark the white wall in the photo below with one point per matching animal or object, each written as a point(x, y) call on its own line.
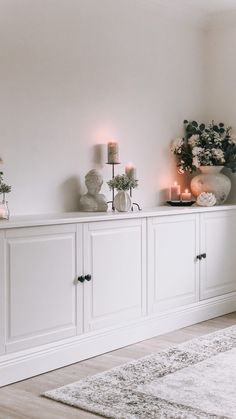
point(221, 74)
point(75, 73)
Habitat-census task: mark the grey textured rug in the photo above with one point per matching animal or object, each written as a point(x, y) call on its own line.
point(196, 379)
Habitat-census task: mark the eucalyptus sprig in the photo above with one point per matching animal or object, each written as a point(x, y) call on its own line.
point(122, 183)
point(4, 188)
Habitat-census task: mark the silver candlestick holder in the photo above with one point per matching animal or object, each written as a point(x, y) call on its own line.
point(133, 203)
point(113, 189)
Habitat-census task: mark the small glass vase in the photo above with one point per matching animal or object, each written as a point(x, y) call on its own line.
point(4, 210)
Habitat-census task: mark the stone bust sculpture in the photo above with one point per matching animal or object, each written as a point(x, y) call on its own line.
point(93, 200)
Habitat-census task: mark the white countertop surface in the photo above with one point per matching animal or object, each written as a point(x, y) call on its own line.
point(80, 217)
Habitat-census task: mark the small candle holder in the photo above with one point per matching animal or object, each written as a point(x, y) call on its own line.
point(113, 189)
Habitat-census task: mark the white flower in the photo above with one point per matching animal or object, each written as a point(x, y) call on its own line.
point(217, 138)
point(176, 145)
point(196, 151)
point(218, 154)
point(196, 162)
point(193, 140)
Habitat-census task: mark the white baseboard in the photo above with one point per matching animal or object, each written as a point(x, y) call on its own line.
point(31, 362)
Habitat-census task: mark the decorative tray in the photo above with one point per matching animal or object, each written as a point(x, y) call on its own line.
point(181, 203)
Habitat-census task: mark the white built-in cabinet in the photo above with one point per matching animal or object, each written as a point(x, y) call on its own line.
point(2, 293)
point(218, 245)
point(77, 287)
point(65, 280)
point(191, 258)
point(172, 269)
point(115, 257)
point(40, 304)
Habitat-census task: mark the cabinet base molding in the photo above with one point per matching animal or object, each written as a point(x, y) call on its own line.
point(42, 359)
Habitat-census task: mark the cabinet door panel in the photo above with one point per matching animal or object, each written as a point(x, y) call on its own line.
point(2, 294)
point(218, 241)
point(114, 256)
point(40, 286)
point(172, 267)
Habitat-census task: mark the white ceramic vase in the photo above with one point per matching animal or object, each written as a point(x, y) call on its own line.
point(211, 180)
point(122, 201)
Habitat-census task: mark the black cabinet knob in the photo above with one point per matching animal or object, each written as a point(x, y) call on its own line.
point(202, 256)
point(81, 279)
point(88, 277)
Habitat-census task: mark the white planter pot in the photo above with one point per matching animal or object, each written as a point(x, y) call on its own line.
point(122, 201)
point(211, 180)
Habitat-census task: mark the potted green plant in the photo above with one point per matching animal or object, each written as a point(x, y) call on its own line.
point(208, 148)
point(122, 183)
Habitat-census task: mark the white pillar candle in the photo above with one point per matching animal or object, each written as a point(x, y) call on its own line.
point(130, 171)
point(186, 195)
point(175, 192)
point(113, 152)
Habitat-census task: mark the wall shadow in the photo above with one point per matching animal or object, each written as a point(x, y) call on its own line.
point(71, 191)
point(99, 157)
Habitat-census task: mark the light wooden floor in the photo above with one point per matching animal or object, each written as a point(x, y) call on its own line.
point(23, 401)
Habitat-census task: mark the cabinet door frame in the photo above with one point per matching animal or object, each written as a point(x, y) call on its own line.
point(2, 294)
point(205, 292)
point(44, 336)
point(162, 306)
point(79, 272)
point(90, 323)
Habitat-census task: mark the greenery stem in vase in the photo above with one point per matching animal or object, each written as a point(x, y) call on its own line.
point(4, 189)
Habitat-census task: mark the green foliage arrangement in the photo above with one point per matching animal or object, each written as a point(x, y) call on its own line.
point(122, 183)
point(205, 145)
point(4, 188)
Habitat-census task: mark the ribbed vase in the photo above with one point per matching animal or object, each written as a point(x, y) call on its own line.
point(122, 201)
